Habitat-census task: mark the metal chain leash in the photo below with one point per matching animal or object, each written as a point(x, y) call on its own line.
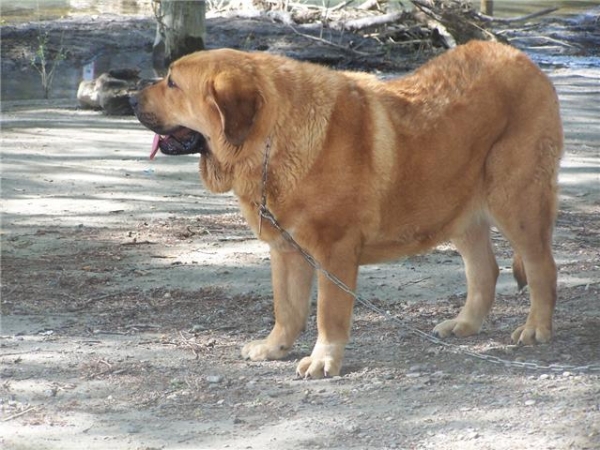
point(265, 213)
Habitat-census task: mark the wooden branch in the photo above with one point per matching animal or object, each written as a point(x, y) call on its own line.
point(341, 5)
point(426, 7)
point(485, 33)
point(366, 22)
point(541, 38)
point(333, 44)
point(443, 31)
point(369, 4)
point(543, 12)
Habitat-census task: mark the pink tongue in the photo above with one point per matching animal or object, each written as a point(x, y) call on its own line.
point(155, 146)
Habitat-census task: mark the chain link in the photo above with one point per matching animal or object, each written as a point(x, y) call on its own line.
point(265, 213)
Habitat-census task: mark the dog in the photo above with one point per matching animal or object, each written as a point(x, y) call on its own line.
point(360, 170)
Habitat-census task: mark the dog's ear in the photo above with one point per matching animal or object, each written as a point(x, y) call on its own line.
point(238, 101)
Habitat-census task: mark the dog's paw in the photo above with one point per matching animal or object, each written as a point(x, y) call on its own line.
point(456, 327)
point(263, 350)
point(317, 368)
point(530, 335)
point(325, 361)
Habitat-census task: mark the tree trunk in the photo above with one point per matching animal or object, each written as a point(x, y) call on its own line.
point(180, 30)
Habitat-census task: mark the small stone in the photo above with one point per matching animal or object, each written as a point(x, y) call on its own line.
point(352, 428)
point(214, 379)
point(133, 429)
point(544, 376)
point(530, 402)
point(50, 392)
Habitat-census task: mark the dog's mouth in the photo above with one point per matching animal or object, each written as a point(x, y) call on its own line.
point(182, 141)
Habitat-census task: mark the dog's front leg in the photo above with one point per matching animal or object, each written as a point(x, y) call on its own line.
point(292, 283)
point(334, 317)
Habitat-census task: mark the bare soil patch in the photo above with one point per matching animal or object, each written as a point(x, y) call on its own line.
point(128, 291)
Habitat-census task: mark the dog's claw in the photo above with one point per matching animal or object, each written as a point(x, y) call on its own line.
point(324, 362)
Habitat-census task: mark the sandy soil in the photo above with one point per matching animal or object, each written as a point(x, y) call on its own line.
point(128, 291)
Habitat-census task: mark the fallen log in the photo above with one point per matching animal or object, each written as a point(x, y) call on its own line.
point(367, 22)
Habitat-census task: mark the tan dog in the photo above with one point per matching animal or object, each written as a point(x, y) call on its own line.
point(362, 171)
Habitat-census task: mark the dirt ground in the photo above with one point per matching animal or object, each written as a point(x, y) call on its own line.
point(128, 291)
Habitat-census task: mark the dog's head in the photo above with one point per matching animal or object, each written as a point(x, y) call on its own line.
point(208, 103)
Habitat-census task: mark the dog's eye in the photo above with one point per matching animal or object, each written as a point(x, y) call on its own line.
point(170, 82)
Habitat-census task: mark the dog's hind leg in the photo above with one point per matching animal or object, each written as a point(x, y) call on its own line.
point(522, 199)
point(530, 233)
point(292, 283)
point(481, 270)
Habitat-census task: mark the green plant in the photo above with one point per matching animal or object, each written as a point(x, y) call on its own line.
point(44, 65)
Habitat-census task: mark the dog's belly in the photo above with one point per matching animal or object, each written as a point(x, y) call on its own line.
point(390, 250)
point(406, 237)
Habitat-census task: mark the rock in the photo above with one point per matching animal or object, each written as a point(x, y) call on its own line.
point(110, 92)
point(214, 379)
point(133, 429)
point(87, 95)
point(472, 435)
point(352, 428)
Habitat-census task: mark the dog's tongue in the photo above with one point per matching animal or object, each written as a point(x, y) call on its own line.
point(155, 146)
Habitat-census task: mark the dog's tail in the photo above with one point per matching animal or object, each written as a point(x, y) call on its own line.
point(519, 271)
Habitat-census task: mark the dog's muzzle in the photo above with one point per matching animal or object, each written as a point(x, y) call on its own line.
point(182, 141)
point(178, 141)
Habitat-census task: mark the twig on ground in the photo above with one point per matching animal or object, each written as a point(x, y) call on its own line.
point(22, 413)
